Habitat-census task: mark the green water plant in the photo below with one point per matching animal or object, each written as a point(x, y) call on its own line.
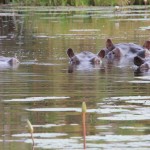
point(79, 2)
point(122, 2)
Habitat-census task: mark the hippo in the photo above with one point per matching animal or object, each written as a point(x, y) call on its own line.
point(127, 50)
point(8, 62)
point(143, 63)
point(84, 60)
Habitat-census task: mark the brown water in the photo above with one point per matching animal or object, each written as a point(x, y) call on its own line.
point(41, 89)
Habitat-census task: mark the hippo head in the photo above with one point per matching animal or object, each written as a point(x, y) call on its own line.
point(8, 62)
point(13, 61)
point(85, 57)
point(125, 49)
point(115, 53)
point(84, 60)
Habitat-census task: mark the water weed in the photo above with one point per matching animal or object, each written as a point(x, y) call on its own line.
point(79, 2)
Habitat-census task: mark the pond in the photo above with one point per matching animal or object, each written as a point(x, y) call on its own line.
point(42, 90)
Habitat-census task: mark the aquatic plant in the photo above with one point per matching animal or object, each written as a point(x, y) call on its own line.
point(122, 2)
point(83, 107)
point(79, 2)
point(84, 123)
point(31, 130)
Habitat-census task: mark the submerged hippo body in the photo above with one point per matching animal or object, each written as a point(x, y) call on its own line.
point(8, 62)
point(84, 60)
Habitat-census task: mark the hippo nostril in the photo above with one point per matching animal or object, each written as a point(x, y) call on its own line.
point(77, 62)
point(108, 55)
point(146, 66)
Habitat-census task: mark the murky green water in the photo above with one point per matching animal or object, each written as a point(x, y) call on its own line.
point(41, 89)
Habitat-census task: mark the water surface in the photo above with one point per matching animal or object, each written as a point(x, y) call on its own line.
point(41, 89)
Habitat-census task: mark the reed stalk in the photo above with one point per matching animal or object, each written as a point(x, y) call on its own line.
point(84, 123)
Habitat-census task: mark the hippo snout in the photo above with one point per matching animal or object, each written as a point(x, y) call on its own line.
point(138, 61)
point(110, 56)
point(13, 61)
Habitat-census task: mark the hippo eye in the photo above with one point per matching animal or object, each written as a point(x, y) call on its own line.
point(113, 53)
point(74, 61)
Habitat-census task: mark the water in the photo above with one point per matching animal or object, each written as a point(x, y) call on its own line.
point(41, 89)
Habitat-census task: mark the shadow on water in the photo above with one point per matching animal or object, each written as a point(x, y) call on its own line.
point(42, 90)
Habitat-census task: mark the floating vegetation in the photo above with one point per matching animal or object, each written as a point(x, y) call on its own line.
point(145, 28)
point(134, 111)
point(55, 109)
point(33, 99)
point(127, 98)
point(123, 117)
point(40, 135)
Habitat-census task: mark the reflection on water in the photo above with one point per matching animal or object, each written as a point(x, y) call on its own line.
point(41, 89)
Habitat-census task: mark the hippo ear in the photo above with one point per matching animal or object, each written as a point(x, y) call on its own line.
point(147, 45)
point(138, 61)
point(109, 44)
point(70, 52)
point(101, 54)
